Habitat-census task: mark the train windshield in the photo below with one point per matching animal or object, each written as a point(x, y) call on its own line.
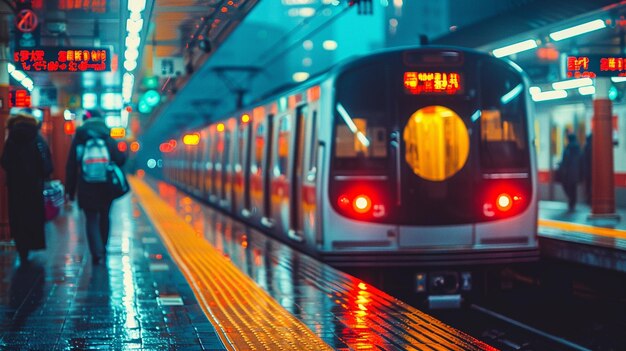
point(363, 121)
point(426, 132)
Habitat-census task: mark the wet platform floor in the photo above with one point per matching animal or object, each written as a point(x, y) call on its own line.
point(141, 300)
point(60, 301)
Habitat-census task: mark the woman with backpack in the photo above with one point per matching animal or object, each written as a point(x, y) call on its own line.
point(27, 162)
point(91, 152)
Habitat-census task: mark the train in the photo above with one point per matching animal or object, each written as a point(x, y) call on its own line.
point(412, 157)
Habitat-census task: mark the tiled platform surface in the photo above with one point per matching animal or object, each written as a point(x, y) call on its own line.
point(137, 301)
point(572, 236)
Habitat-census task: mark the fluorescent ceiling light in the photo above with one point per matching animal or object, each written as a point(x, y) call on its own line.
point(10, 68)
point(329, 45)
point(550, 95)
point(130, 65)
point(300, 76)
point(515, 48)
point(618, 79)
point(588, 90)
point(136, 5)
point(578, 30)
point(134, 26)
point(534, 90)
point(131, 54)
point(572, 83)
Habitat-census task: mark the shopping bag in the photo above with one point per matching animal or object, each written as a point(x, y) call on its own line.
point(53, 198)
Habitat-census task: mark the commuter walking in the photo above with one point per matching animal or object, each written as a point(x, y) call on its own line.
point(587, 166)
point(27, 162)
point(570, 170)
point(90, 154)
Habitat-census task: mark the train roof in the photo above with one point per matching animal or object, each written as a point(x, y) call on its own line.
point(290, 88)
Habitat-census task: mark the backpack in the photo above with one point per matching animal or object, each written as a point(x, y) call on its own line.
point(95, 160)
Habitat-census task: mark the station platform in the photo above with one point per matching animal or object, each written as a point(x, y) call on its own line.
point(181, 276)
point(574, 236)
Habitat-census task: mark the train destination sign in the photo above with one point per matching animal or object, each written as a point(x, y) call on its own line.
point(432, 83)
point(595, 66)
point(63, 59)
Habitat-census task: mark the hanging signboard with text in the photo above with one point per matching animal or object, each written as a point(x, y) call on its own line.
point(63, 59)
point(591, 66)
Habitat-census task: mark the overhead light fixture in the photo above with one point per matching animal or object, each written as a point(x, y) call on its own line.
point(578, 30)
point(130, 65)
point(534, 90)
point(131, 54)
point(572, 83)
point(618, 79)
point(300, 76)
point(136, 5)
point(550, 95)
point(134, 27)
point(515, 48)
point(588, 90)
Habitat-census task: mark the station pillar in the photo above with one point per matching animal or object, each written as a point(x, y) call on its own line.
point(5, 13)
point(602, 171)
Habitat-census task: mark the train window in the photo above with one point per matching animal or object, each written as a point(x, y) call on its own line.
point(284, 136)
point(361, 118)
point(503, 125)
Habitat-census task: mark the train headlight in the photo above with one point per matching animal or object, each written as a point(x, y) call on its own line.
point(362, 203)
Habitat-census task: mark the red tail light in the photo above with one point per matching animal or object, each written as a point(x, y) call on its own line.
point(504, 202)
point(362, 203)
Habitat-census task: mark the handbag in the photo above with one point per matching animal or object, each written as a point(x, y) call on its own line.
point(116, 181)
point(53, 198)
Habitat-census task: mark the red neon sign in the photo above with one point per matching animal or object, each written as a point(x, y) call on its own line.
point(593, 66)
point(54, 59)
point(432, 83)
point(26, 21)
point(20, 98)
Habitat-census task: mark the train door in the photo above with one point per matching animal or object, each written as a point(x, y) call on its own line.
point(258, 143)
point(431, 154)
point(226, 188)
point(308, 214)
point(266, 172)
point(280, 174)
point(296, 170)
point(241, 169)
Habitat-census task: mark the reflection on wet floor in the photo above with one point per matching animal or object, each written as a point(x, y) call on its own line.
point(345, 312)
point(59, 301)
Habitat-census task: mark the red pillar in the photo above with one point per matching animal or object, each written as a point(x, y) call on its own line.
point(602, 172)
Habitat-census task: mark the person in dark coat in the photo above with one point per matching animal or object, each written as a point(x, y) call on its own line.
point(587, 166)
point(570, 170)
point(27, 162)
point(93, 198)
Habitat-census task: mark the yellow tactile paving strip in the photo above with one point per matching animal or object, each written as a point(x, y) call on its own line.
point(582, 228)
point(245, 316)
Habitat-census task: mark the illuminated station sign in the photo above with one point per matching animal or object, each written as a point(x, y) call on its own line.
point(432, 83)
point(595, 66)
point(57, 59)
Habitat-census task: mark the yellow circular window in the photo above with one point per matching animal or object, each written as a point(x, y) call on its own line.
point(437, 143)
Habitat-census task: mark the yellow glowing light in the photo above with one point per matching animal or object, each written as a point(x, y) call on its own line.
point(118, 133)
point(191, 139)
point(437, 143)
point(245, 118)
point(220, 127)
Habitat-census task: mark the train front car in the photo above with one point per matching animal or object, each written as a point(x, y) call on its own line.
point(431, 165)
